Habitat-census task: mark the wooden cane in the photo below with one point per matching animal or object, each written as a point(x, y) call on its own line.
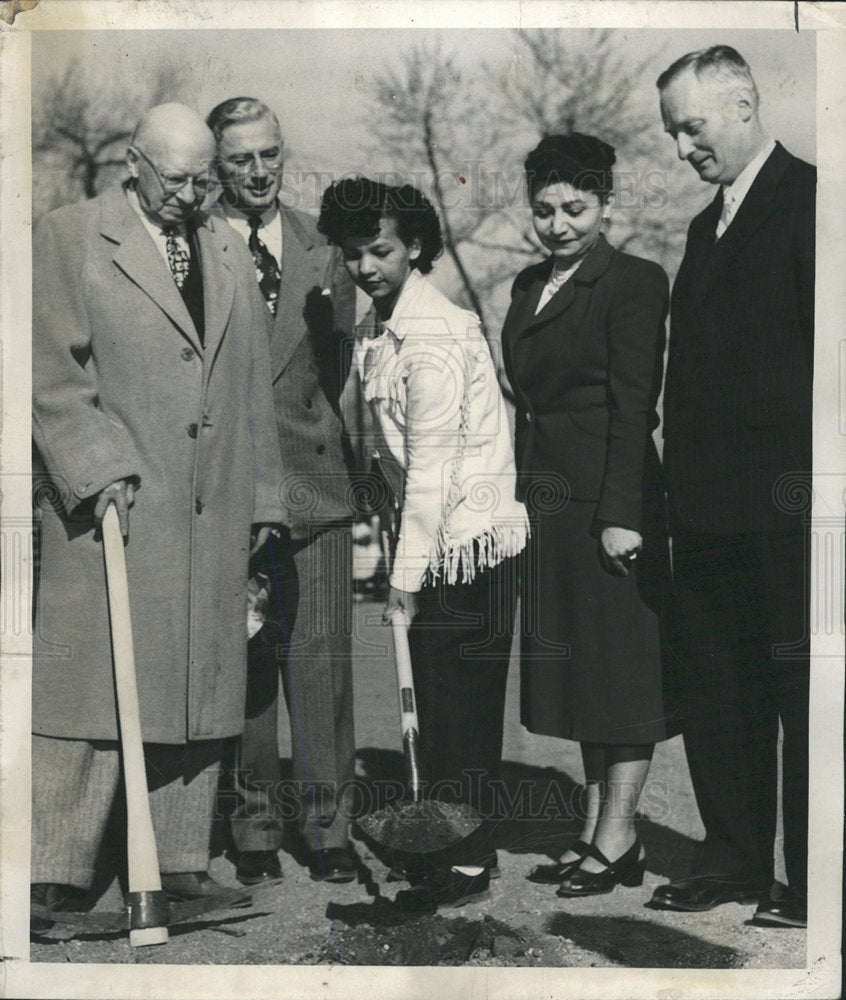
point(149, 910)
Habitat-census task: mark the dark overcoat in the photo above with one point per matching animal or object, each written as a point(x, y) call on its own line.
point(122, 387)
point(737, 403)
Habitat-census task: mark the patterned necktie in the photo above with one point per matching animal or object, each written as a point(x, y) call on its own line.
point(267, 269)
point(177, 257)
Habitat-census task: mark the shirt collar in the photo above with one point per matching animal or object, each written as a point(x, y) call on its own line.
point(155, 229)
point(405, 309)
point(738, 189)
point(267, 216)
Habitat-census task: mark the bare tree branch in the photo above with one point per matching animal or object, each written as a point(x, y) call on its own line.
point(436, 123)
point(77, 130)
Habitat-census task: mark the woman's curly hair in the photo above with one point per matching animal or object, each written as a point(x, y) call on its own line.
point(355, 206)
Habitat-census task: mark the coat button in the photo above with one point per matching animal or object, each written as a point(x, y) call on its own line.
point(309, 404)
point(192, 430)
point(320, 449)
point(528, 418)
point(198, 506)
point(187, 354)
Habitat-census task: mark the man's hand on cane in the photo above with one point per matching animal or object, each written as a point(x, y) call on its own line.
point(122, 491)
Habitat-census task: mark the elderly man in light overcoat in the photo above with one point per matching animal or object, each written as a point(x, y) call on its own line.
point(151, 390)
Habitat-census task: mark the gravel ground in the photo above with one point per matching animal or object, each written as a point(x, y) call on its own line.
point(302, 922)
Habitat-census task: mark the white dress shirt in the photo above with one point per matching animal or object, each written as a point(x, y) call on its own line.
point(734, 193)
point(270, 230)
point(155, 230)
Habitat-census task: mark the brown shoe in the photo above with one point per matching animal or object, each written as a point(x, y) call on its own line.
point(48, 896)
point(182, 887)
point(332, 864)
point(258, 867)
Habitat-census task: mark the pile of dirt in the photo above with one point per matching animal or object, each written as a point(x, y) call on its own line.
point(434, 940)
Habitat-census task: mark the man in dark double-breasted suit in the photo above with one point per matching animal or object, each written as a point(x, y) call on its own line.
point(309, 302)
point(737, 429)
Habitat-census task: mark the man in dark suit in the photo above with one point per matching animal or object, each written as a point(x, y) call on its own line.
point(311, 640)
point(737, 456)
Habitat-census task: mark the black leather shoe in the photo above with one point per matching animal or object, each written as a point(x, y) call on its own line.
point(332, 864)
point(256, 867)
point(49, 895)
point(444, 888)
point(781, 907)
point(555, 873)
point(181, 887)
point(627, 870)
point(704, 892)
point(414, 869)
point(491, 862)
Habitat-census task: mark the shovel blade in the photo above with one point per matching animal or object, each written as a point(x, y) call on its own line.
point(103, 922)
point(421, 827)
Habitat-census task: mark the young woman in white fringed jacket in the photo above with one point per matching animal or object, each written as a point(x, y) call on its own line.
point(443, 437)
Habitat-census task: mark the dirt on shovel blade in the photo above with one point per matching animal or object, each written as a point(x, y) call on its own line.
point(421, 827)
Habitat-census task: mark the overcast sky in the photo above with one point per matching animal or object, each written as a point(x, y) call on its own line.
point(317, 80)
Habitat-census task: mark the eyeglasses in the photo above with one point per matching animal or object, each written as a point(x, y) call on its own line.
point(271, 158)
point(171, 183)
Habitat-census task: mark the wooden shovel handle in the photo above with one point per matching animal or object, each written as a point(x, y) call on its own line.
point(405, 678)
point(409, 725)
point(142, 855)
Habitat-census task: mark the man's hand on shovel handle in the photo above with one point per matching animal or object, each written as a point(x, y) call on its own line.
point(123, 493)
point(400, 600)
point(261, 534)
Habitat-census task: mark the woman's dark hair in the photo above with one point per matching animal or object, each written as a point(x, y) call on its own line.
point(581, 160)
point(354, 207)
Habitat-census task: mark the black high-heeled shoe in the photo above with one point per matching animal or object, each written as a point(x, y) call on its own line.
point(627, 870)
point(556, 872)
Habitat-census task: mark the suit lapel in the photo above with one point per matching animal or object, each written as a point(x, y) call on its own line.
point(302, 266)
point(523, 311)
point(759, 203)
point(700, 264)
point(138, 257)
point(594, 264)
point(560, 301)
point(712, 258)
point(218, 287)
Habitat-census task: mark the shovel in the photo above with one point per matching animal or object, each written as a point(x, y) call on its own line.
point(148, 911)
point(420, 826)
point(115, 921)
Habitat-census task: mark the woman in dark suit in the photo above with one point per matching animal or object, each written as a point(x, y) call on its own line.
point(583, 345)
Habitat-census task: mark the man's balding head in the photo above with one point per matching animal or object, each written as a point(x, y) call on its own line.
point(171, 143)
point(173, 124)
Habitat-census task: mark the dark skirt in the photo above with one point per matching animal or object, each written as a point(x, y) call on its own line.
point(591, 649)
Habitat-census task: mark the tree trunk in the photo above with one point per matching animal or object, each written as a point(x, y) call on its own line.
point(449, 237)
